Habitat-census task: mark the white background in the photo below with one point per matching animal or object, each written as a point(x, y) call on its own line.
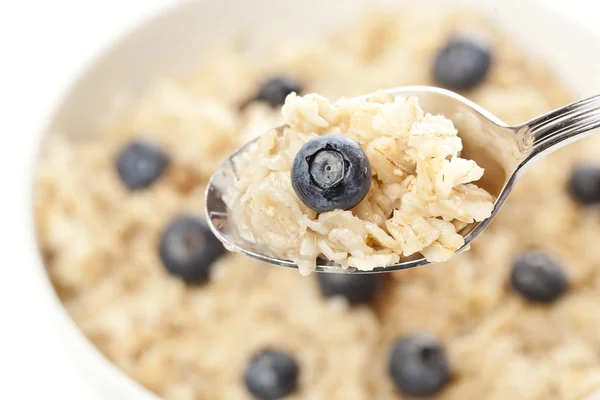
point(43, 44)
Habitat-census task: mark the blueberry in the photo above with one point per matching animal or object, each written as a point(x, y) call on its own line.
point(140, 164)
point(275, 90)
point(418, 365)
point(331, 172)
point(271, 374)
point(538, 277)
point(188, 249)
point(584, 184)
point(462, 63)
point(356, 288)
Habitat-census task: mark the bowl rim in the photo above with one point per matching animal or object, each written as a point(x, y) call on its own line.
point(101, 365)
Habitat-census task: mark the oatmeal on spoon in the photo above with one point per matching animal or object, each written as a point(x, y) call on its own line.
point(366, 184)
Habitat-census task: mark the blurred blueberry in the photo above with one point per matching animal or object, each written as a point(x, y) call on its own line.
point(188, 249)
point(271, 374)
point(584, 184)
point(462, 63)
point(140, 164)
point(275, 90)
point(356, 288)
point(418, 365)
point(538, 277)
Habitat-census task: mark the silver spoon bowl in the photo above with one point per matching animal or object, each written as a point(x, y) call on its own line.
point(503, 151)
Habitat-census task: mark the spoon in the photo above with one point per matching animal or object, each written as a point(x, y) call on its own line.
point(505, 152)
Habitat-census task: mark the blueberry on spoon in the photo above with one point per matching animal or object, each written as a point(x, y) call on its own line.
point(331, 172)
point(188, 249)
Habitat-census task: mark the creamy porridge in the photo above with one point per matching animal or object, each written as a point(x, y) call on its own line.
point(120, 228)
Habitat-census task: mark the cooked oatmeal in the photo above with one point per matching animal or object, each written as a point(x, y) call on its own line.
point(193, 336)
point(419, 196)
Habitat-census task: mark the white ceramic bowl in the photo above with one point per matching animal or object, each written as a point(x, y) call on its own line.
point(170, 43)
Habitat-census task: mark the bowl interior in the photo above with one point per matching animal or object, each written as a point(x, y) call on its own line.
point(170, 44)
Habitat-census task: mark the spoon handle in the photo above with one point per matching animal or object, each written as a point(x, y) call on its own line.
point(562, 126)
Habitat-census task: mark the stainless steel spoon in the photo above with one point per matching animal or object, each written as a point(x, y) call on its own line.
point(504, 151)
